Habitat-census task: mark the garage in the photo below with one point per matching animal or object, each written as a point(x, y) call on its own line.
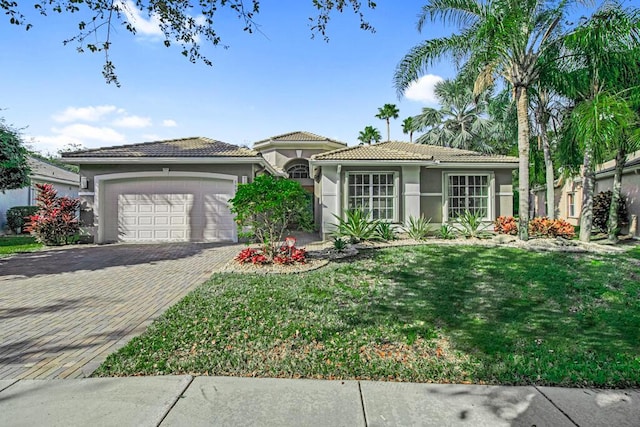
point(162, 209)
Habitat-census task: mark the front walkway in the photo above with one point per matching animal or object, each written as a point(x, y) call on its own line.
point(63, 311)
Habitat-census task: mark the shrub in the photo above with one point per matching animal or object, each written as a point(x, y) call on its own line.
point(545, 227)
point(419, 228)
point(446, 232)
point(56, 221)
point(506, 225)
point(357, 226)
point(471, 225)
point(339, 244)
point(18, 217)
point(601, 206)
point(385, 231)
point(266, 208)
point(283, 255)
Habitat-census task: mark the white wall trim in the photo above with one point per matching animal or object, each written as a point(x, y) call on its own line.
point(86, 193)
point(100, 180)
point(491, 182)
point(504, 193)
point(430, 194)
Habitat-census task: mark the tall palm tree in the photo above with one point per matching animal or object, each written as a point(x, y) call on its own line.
point(460, 122)
point(369, 135)
point(388, 112)
point(408, 127)
point(501, 38)
point(602, 68)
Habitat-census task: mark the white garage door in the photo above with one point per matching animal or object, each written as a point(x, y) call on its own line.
point(156, 217)
point(169, 210)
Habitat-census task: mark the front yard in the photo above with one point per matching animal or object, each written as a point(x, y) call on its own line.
point(16, 244)
point(424, 313)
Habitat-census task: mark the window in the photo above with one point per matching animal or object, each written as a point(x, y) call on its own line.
point(374, 193)
point(571, 204)
point(298, 171)
point(468, 192)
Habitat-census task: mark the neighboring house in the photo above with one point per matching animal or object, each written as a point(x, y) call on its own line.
point(178, 190)
point(64, 181)
point(568, 193)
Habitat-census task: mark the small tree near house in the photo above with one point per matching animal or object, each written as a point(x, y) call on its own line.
point(266, 208)
point(56, 220)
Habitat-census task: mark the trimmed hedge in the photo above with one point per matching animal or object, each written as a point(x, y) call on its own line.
point(18, 217)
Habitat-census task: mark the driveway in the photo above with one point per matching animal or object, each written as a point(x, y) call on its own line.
point(63, 311)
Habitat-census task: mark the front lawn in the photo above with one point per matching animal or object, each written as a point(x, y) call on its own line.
point(15, 244)
point(424, 314)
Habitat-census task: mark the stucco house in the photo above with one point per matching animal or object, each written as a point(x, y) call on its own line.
point(65, 182)
point(178, 190)
point(568, 193)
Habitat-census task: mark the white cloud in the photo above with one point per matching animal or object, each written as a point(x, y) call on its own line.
point(133, 122)
point(422, 89)
point(145, 27)
point(83, 132)
point(168, 123)
point(88, 114)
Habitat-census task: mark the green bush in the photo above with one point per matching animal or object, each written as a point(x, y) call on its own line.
point(447, 232)
point(418, 228)
point(471, 225)
point(268, 207)
point(56, 221)
point(385, 231)
point(357, 226)
point(18, 217)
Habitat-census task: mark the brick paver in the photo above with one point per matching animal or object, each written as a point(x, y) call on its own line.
point(63, 311)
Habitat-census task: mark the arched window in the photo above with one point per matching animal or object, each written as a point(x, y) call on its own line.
point(298, 171)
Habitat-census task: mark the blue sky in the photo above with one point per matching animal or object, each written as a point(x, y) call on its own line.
point(263, 85)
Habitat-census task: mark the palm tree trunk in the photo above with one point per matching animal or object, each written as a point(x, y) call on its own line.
point(522, 103)
point(411, 136)
point(588, 183)
point(388, 130)
point(613, 226)
point(549, 178)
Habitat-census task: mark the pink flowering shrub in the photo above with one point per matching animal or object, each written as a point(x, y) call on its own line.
point(56, 221)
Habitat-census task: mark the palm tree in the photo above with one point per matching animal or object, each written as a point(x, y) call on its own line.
point(369, 135)
point(388, 112)
point(502, 38)
point(602, 68)
point(408, 127)
point(461, 121)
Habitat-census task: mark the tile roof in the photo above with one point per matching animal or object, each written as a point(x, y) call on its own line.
point(184, 147)
point(41, 170)
point(298, 136)
point(396, 150)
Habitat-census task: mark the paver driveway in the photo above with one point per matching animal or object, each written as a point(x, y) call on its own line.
point(63, 311)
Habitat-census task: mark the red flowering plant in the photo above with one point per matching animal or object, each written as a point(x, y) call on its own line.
point(253, 256)
point(284, 255)
point(56, 221)
point(545, 227)
point(506, 225)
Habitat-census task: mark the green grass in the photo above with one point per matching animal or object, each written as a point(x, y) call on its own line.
point(423, 313)
point(15, 244)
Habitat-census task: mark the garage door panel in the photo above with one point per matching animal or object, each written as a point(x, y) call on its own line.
point(171, 210)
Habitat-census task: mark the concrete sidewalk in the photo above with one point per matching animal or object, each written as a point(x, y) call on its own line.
point(227, 401)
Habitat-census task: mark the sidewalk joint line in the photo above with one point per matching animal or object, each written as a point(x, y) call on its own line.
point(364, 413)
point(557, 407)
point(175, 401)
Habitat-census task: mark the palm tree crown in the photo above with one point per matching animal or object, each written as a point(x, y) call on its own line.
point(387, 112)
point(408, 127)
point(369, 135)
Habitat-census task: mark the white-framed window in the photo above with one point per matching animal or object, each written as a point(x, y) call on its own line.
point(467, 192)
point(298, 171)
point(375, 193)
point(571, 205)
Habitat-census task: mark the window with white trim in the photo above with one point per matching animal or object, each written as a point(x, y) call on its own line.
point(373, 192)
point(467, 193)
point(298, 171)
point(571, 204)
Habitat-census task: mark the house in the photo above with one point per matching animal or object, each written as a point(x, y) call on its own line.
point(178, 190)
point(568, 193)
point(64, 181)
